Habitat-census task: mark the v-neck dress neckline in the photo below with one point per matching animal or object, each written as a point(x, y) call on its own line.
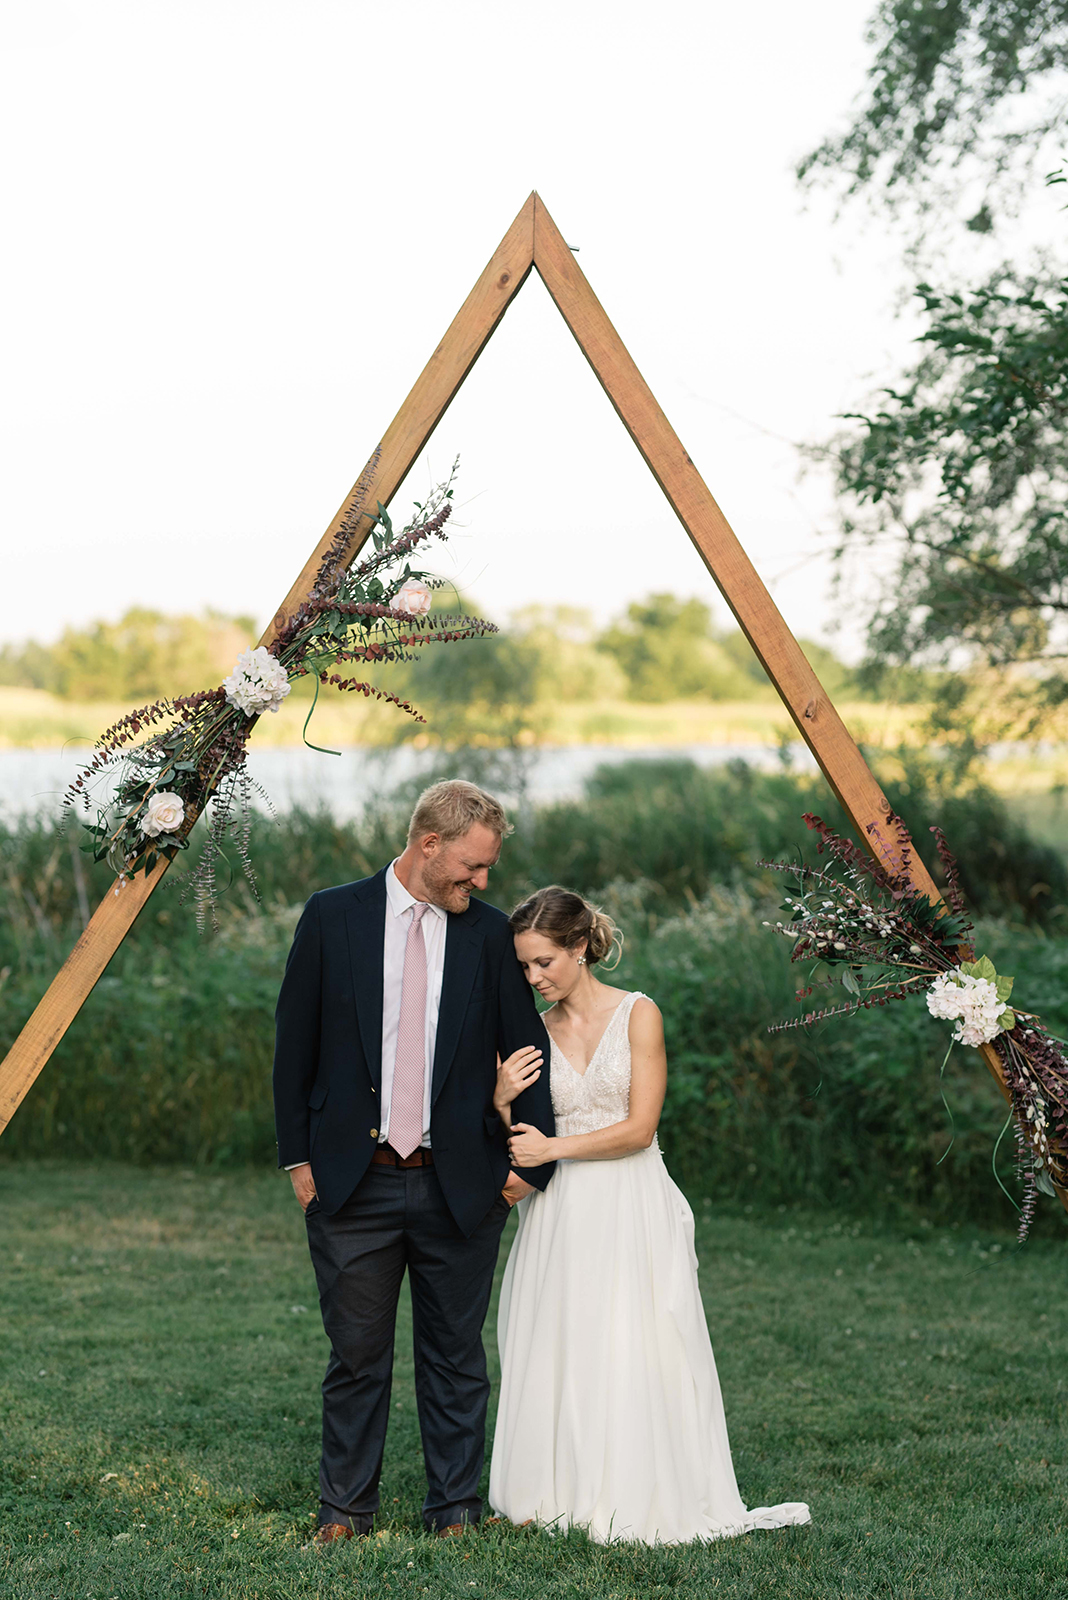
point(597, 1047)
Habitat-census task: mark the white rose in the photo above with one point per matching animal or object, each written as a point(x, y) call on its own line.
point(164, 813)
point(413, 597)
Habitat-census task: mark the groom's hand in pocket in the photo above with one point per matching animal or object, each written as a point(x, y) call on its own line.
point(303, 1184)
point(516, 1188)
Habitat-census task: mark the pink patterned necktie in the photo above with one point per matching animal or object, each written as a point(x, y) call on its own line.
point(409, 1072)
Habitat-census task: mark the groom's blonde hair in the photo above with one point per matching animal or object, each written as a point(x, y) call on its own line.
point(453, 807)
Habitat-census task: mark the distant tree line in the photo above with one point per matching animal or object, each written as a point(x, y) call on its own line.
point(143, 655)
point(661, 648)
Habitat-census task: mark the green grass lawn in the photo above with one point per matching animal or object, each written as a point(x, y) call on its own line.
point(162, 1353)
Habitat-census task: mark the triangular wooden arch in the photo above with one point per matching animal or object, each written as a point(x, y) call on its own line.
point(533, 240)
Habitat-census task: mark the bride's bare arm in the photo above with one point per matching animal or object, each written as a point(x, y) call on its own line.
point(522, 1069)
point(648, 1084)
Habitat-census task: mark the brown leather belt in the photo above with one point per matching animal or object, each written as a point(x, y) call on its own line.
point(386, 1156)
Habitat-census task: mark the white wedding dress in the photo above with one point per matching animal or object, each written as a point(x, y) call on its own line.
point(610, 1414)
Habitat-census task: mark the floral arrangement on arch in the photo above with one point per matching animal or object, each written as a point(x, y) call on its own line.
point(885, 940)
point(165, 762)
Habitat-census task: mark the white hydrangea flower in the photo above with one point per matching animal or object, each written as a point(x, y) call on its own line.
point(258, 683)
point(944, 996)
point(969, 1001)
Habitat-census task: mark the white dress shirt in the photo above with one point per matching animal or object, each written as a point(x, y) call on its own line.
point(399, 905)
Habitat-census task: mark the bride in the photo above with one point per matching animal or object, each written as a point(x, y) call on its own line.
point(610, 1412)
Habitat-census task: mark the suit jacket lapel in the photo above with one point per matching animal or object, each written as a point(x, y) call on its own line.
point(463, 952)
point(365, 925)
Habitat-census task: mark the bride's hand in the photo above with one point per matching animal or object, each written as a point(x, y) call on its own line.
point(528, 1146)
point(522, 1068)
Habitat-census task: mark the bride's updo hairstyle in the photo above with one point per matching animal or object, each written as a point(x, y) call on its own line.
point(566, 918)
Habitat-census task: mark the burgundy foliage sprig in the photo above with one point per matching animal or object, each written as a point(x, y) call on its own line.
point(178, 754)
point(862, 917)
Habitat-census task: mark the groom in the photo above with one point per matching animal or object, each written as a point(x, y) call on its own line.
point(399, 993)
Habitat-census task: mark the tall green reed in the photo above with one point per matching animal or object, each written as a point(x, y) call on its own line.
point(170, 1058)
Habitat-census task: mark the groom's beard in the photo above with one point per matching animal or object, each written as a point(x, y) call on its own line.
point(443, 890)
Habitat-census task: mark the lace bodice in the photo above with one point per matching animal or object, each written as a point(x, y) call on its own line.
point(584, 1102)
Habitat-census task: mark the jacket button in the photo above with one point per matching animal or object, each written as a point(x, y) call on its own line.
point(374, 1133)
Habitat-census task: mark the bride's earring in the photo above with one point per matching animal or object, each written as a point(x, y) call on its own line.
point(581, 960)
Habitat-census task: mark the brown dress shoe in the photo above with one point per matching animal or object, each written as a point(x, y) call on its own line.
point(453, 1530)
point(329, 1532)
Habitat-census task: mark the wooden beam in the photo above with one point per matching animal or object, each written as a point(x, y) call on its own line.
point(534, 239)
point(737, 579)
point(432, 393)
point(405, 437)
point(67, 992)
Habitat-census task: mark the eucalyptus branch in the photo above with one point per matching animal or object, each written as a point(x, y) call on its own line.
point(863, 921)
point(177, 756)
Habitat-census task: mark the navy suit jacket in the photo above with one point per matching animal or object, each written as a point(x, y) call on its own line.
point(328, 1050)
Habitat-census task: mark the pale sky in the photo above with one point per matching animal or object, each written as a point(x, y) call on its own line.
point(235, 233)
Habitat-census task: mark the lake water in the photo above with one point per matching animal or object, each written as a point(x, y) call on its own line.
point(34, 780)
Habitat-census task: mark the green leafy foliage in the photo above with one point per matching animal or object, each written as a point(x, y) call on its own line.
point(959, 476)
point(682, 829)
point(962, 95)
point(170, 1058)
point(664, 648)
point(484, 691)
point(957, 472)
point(143, 656)
point(667, 650)
point(984, 968)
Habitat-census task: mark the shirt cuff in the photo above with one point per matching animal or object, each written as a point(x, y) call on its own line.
point(295, 1164)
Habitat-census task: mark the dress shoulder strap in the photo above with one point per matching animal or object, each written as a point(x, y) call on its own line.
point(626, 1005)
